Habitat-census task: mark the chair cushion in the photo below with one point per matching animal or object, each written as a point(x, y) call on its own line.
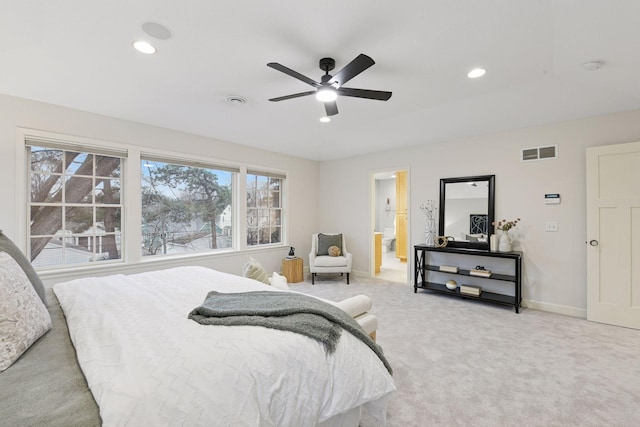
point(331, 261)
point(325, 241)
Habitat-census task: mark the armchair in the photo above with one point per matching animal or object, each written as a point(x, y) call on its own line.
point(321, 262)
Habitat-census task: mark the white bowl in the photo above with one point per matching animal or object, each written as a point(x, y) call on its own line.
point(451, 285)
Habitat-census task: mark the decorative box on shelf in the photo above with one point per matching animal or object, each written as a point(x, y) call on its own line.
point(470, 290)
point(480, 272)
point(448, 269)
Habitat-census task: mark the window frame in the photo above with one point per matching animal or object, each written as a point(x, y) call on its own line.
point(131, 196)
point(235, 171)
point(280, 208)
point(66, 206)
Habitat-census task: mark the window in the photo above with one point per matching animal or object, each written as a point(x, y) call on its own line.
point(185, 207)
point(76, 214)
point(75, 207)
point(264, 208)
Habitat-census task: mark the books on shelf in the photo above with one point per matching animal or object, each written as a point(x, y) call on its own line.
point(448, 269)
point(470, 290)
point(480, 273)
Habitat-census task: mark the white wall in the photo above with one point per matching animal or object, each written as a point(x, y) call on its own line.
point(303, 174)
point(554, 263)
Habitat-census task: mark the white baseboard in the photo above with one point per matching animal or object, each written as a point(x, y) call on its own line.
point(555, 308)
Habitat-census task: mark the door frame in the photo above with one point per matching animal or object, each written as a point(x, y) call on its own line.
point(372, 217)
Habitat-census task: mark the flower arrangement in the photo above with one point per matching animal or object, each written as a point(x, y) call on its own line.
point(505, 225)
point(429, 209)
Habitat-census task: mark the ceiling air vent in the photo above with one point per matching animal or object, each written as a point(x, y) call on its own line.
point(539, 153)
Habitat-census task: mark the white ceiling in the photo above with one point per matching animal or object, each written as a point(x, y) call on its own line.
point(79, 54)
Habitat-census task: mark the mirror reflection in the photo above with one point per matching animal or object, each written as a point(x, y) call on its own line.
point(466, 210)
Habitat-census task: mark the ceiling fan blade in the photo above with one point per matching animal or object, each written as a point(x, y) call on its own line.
point(364, 93)
point(352, 69)
point(293, 74)
point(295, 95)
point(331, 108)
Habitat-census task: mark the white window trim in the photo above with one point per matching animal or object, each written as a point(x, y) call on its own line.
point(131, 194)
point(283, 216)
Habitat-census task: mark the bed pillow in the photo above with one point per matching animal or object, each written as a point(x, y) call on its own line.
point(254, 270)
point(279, 282)
point(23, 316)
point(6, 245)
point(325, 241)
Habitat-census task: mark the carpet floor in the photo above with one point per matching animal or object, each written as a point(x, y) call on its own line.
point(464, 363)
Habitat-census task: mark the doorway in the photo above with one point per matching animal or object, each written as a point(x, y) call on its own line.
point(389, 220)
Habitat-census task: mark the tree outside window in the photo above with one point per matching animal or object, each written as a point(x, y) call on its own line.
point(185, 208)
point(75, 207)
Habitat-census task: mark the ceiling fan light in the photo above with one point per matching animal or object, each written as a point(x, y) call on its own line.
point(326, 95)
point(144, 47)
point(476, 72)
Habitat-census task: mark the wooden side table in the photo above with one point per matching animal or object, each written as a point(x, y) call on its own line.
point(292, 269)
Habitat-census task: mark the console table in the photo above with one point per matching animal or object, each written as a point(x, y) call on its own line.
point(424, 267)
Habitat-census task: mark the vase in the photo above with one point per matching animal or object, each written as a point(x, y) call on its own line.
point(430, 232)
point(493, 243)
point(504, 244)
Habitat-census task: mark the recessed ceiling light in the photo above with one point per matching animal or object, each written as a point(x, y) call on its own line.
point(326, 94)
point(144, 47)
point(325, 119)
point(476, 72)
point(156, 30)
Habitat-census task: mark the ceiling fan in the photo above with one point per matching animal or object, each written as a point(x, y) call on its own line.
point(329, 87)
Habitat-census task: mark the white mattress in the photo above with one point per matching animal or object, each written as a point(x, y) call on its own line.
point(148, 364)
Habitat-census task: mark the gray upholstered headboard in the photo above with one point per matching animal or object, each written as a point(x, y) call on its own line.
point(6, 245)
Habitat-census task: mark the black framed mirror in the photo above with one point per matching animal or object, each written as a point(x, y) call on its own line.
point(467, 211)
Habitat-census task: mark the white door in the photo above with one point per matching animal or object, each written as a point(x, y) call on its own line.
point(613, 233)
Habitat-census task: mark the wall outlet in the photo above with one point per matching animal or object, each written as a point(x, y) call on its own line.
point(551, 226)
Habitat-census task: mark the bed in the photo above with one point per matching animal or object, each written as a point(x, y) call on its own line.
point(146, 363)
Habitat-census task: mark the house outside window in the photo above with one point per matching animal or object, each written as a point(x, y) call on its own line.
point(264, 208)
point(185, 207)
point(75, 206)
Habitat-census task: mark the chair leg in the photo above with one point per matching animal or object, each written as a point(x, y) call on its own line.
point(347, 278)
point(313, 278)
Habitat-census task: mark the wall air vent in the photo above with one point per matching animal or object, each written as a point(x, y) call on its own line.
point(539, 153)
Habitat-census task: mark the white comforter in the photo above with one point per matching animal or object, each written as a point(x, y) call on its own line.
point(147, 364)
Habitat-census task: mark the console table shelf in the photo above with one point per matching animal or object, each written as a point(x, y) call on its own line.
point(423, 269)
